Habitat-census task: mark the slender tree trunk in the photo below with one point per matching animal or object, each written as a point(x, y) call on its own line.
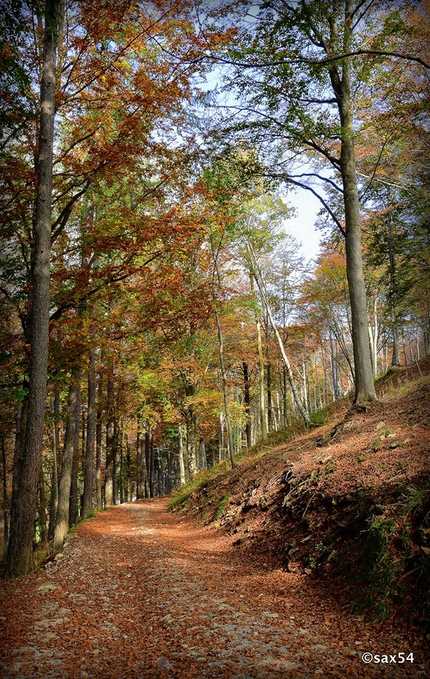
point(110, 442)
point(261, 375)
point(99, 431)
point(121, 465)
point(73, 500)
point(128, 487)
point(20, 423)
point(24, 507)
point(284, 397)
point(55, 406)
point(203, 458)
point(140, 467)
point(182, 461)
point(151, 464)
point(148, 477)
point(190, 439)
point(269, 395)
point(395, 359)
point(90, 442)
point(225, 391)
point(170, 469)
point(43, 515)
point(5, 500)
point(247, 401)
point(62, 521)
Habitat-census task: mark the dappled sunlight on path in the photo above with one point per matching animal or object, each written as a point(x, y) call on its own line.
point(142, 593)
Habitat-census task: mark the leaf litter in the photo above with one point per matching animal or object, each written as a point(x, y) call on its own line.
point(178, 601)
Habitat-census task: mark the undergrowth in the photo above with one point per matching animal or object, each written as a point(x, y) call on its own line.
point(394, 562)
point(181, 497)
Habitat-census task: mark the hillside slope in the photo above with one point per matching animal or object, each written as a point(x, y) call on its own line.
point(346, 505)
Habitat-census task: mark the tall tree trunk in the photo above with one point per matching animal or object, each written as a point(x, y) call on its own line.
point(261, 375)
point(73, 500)
point(140, 466)
point(364, 386)
point(247, 401)
point(55, 406)
point(99, 432)
point(151, 464)
point(43, 515)
point(181, 452)
point(284, 397)
point(62, 520)
point(225, 391)
point(90, 443)
point(128, 488)
point(395, 358)
point(5, 500)
point(269, 395)
point(190, 438)
point(24, 505)
point(121, 464)
point(148, 462)
point(110, 443)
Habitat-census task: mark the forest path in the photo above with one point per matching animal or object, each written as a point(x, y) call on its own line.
point(143, 593)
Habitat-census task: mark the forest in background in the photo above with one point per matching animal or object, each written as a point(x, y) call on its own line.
point(156, 318)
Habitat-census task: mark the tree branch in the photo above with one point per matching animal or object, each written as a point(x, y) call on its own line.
point(290, 180)
point(317, 62)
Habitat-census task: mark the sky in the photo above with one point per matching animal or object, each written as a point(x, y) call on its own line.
point(301, 227)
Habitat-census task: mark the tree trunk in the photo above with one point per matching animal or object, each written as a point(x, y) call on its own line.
point(395, 359)
point(62, 521)
point(182, 461)
point(55, 406)
point(5, 500)
point(73, 500)
point(99, 430)
point(225, 391)
point(262, 400)
point(247, 401)
point(24, 507)
point(270, 425)
point(90, 443)
point(151, 464)
point(190, 422)
point(121, 465)
point(140, 467)
point(364, 386)
point(110, 443)
point(43, 515)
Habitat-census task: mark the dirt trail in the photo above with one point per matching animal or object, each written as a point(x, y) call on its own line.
point(142, 593)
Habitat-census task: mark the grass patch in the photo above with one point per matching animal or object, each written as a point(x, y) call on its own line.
point(182, 496)
point(221, 506)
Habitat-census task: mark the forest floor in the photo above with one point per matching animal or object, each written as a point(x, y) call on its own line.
point(248, 578)
point(144, 593)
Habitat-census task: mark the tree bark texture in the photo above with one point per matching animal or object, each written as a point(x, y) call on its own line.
point(62, 521)
point(225, 392)
point(99, 427)
point(247, 401)
point(90, 442)
point(73, 500)
point(365, 390)
point(55, 406)
point(24, 508)
point(110, 444)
